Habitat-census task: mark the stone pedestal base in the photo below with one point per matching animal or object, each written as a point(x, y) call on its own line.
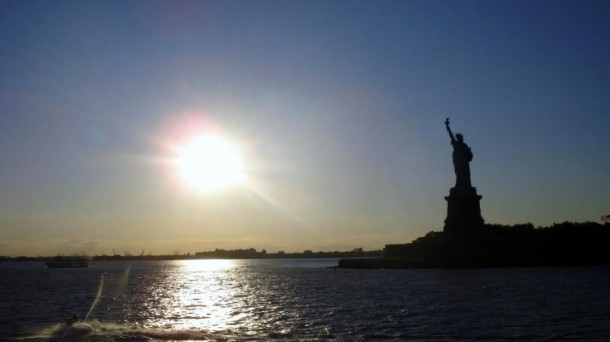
point(463, 210)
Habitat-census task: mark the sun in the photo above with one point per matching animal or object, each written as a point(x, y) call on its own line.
point(210, 163)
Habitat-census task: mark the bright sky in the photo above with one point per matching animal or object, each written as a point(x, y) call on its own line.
point(336, 109)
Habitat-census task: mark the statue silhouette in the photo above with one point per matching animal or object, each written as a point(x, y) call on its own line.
point(463, 202)
point(462, 156)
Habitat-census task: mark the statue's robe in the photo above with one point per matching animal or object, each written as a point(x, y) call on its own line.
point(462, 155)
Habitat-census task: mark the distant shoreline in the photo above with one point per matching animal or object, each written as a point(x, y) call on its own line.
point(237, 254)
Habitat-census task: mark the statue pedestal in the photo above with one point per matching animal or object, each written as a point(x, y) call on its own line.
point(463, 210)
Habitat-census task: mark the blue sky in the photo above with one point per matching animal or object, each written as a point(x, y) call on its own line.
point(338, 106)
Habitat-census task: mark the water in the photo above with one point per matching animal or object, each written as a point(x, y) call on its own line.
point(256, 300)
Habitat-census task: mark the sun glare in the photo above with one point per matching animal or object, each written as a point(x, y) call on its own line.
point(210, 163)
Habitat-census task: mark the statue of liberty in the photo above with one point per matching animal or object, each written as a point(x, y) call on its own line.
point(462, 156)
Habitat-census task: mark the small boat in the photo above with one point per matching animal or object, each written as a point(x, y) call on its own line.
point(67, 262)
point(73, 330)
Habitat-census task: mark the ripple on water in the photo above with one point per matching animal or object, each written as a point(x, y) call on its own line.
point(261, 300)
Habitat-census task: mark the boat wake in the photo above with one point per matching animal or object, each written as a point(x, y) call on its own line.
point(72, 332)
point(62, 332)
point(95, 330)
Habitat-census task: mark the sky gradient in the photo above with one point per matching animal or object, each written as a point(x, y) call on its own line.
point(337, 106)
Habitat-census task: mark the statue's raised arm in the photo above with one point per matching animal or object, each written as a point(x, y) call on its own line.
point(449, 130)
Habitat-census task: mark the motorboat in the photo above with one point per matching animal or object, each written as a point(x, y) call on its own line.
point(67, 262)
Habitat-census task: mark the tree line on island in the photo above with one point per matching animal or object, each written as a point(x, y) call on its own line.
point(560, 244)
point(563, 234)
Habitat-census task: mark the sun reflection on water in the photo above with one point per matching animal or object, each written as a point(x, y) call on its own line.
point(200, 295)
point(206, 265)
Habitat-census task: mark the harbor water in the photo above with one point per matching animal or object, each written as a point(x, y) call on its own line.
point(302, 300)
